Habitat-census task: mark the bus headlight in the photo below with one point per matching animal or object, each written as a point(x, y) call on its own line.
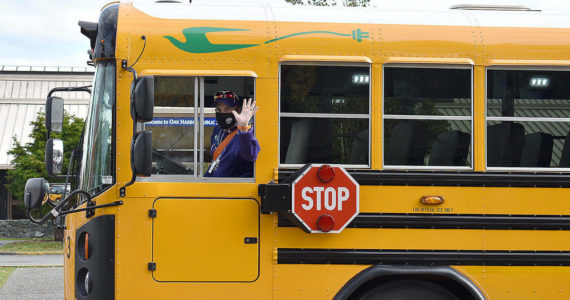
point(84, 283)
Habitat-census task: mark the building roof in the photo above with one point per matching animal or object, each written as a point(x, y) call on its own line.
point(23, 91)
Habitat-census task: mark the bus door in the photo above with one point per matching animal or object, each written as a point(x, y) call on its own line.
point(198, 238)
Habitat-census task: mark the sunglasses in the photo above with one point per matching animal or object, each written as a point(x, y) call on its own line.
point(225, 94)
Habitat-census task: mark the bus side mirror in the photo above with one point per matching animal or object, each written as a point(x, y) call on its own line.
point(144, 99)
point(142, 154)
point(35, 192)
point(54, 114)
point(54, 157)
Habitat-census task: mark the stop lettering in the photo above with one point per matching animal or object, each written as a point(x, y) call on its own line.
point(330, 197)
point(325, 203)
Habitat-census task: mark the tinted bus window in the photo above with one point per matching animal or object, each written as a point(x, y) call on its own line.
point(324, 114)
point(528, 118)
point(427, 116)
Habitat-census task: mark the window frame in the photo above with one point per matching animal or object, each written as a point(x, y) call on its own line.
point(85, 138)
point(199, 111)
point(520, 119)
point(281, 114)
point(429, 117)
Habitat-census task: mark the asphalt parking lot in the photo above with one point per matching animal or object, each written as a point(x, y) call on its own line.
point(31, 283)
point(46, 260)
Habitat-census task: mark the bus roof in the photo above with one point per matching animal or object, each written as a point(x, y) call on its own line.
point(357, 15)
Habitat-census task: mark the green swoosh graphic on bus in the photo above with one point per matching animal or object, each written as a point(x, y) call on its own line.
point(301, 33)
point(197, 41)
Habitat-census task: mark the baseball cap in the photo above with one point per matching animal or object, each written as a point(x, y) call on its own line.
point(228, 97)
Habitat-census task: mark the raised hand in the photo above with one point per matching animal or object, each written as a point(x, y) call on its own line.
point(247, 111)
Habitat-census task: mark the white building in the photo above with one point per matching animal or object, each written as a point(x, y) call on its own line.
point(23, 92)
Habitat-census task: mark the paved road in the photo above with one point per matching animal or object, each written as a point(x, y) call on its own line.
point(4, 242)
point(31, 260)
point(34, 284)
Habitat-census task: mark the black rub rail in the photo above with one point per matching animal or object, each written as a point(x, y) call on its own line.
point(422, 257)
point(454, 221)
point(460, 178)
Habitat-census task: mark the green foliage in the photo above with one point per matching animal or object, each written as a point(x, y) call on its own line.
point(28, 159)
point(351, 3)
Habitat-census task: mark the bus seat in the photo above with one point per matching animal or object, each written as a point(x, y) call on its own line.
point(360, 146)
point(504, 144)
point(299, 143)
point(565, 156)
point(320, 142)
point(407, 144)
point(537, 150)
point(450, 149)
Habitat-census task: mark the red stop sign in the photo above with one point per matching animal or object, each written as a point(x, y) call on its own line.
point(328, 203)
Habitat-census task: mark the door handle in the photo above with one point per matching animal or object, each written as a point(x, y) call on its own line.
point(250, 240)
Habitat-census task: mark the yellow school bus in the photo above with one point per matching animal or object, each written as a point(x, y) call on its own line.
point(455, 125)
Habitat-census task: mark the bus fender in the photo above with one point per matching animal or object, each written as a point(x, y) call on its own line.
point(378, 272)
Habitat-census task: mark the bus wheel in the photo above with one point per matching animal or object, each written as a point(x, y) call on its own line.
point(408, 289)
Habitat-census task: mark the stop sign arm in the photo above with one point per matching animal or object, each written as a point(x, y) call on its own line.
point(317, 198)
point(276, 197)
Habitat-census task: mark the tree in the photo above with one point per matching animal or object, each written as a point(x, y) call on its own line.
point(28, 159)
point(351, 3)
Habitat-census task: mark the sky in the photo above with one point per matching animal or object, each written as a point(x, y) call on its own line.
point(45, 33)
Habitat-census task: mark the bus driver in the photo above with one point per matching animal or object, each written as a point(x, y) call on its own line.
point(233, 156)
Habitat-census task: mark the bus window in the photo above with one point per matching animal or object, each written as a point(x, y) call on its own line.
point(528, 121)
point(173, 133)
point(244, 88)
point(324, 115)
point(180, 147)
point(427, 116)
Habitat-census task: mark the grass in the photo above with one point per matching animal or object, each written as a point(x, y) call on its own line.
point(26, 239)
point(33, 247)
point(5, 272)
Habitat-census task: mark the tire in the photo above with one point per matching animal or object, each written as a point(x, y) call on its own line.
point(408, 289)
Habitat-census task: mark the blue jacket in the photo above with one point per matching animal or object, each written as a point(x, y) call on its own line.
point(236, 160)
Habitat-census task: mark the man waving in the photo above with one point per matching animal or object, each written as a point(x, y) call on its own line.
point(234, 147)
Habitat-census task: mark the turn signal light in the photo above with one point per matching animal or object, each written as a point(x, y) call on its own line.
point(86, 247)
point(325, 223)
point(325, 173)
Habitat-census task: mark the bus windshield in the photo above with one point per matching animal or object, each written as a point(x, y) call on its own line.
point(97, 161)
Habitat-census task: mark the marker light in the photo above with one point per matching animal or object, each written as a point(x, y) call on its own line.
point(432, 200)
point(539, 82)
point(360, 79)
point(325, 223)
point(86, 246)
point(325, 173)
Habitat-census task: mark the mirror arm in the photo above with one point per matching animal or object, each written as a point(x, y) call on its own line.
point(71, 211)
point(70, 89)
point(72, 156)
point(55, 211)
point(124, 65)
